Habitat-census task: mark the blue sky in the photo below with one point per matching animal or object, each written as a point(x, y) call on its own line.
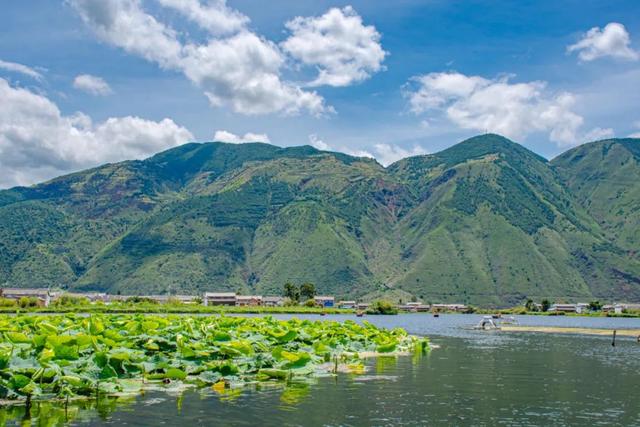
point(409, 77)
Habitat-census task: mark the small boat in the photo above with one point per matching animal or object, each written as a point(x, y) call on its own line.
point(323, 314)
point(359, 313)
point(489, 323)
point(436, 315)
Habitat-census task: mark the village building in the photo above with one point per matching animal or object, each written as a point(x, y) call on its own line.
point(362, 306)
point(248, 300)
point(566, 308)
point(582, 307)
point(116, 298)
point(324, 301)
point(608, 308)
point(219, 298)
point(90, 296)
point(347, 304)
point(414, 306)
point(622, 307)
point(449, 307)
point(271, 301)
point(42, 295)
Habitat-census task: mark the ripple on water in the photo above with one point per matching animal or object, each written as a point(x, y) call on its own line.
point(475, 378)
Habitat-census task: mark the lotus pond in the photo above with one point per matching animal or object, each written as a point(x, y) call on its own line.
point(89, 357)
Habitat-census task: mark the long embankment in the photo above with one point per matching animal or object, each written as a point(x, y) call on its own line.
point(566, 330)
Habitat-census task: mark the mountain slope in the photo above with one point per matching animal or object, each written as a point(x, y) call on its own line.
point(485, 222)
point(604, 177)
point(495, 224)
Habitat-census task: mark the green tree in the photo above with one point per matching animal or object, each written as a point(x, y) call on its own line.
point(545, 304)
point(291, 291)
point(595, 306)
point(529, 305)
point(382, 307)
point(307, 291)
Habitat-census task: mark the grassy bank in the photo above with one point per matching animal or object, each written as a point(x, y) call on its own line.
point(173, 309)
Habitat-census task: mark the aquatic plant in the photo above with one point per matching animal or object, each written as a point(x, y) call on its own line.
point(64, 356)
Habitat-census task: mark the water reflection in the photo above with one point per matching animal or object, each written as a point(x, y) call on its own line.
point(474, 378)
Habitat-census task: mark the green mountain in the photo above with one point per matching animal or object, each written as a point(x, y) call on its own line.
point(484, 222)
point(604, 178)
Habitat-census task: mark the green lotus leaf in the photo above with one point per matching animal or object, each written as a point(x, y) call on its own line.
point(67, 355)
point(18, 337)
point(387, 347)
point(175, 374)
point(96, 326)
point(209, 377)
point(66, 352)
point(279, 374)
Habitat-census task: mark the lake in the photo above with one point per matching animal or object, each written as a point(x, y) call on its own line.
point(473, 378)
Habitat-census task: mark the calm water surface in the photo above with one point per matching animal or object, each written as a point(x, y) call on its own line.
point(474, 378)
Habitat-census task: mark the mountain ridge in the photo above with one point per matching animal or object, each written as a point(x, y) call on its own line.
point(485, 221)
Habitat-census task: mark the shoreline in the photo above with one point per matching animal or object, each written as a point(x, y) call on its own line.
point(277, 310)
point(571, 330)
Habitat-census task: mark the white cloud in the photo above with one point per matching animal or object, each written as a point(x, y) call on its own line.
point(613, 40)
point(387, 154)
point(316, 142)
point(436, 89)
point(636, 125)
point(14, 67)
point(123, 23)
point(384, 153)
point(215, 17)
point(511, 109)
point(241, 71)
point(343, 49)
point(232, 138)
point(38, 142)
point(597, 134)
point(92, 84)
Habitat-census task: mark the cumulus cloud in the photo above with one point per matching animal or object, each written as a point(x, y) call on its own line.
point(242, 71)
point(123, 23)
point(318, 143)
point(613, 40)
point(342, 48)
point(597, 134)
point(215, 17)
point(232, 138)
point(92, 84)
point(384, 153)
point(497, 105)
point(14, 67)
point(387, 154)
point(38, 142)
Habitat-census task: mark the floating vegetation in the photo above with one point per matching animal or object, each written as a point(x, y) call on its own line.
point(74, 356)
